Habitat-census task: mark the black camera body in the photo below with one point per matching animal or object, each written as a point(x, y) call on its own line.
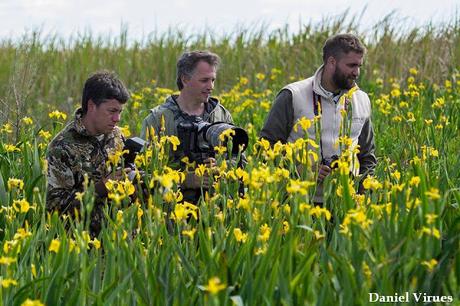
point(133, 145)
point(330, 162)
point(198, 138)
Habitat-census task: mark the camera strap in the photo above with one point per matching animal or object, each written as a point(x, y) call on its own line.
point(318, 110)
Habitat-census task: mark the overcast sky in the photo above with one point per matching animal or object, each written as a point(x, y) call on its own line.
point(145, 16)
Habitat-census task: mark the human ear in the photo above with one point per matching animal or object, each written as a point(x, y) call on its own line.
point(91, 105)
point(331, 61)
point(184, 78)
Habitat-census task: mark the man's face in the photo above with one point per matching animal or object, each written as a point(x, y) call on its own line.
point(200, 84)
point(105, 117)
point(347, 69)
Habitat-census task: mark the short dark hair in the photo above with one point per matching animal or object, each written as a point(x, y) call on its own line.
point(101, 86)
point(188, 61)
point(341, 44)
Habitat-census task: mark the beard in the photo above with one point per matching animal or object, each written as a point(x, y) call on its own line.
point(342, 81)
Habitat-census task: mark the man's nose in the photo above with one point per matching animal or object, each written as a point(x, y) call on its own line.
point(211, 85)
point(355, 72)
point(116, 117)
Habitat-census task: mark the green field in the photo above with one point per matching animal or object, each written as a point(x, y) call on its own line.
point(272, 247)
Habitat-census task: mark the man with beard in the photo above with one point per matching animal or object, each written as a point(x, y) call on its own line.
point(319, 95)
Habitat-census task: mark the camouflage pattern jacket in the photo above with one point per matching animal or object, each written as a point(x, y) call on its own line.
point(71, 155)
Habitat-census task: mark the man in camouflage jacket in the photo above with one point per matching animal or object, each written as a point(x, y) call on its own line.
point(82, 148)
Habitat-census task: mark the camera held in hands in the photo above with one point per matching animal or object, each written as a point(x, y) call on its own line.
point(198, 138)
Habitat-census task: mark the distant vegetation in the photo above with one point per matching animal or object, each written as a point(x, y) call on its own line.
point(40, 71)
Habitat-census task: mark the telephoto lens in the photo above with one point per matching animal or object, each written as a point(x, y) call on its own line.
point(211, 134)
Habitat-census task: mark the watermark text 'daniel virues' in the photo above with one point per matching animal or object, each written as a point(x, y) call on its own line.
point(407, 297)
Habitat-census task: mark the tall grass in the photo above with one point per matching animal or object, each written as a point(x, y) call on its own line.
point(40, 71)
point(272, 246)
point(401, 235)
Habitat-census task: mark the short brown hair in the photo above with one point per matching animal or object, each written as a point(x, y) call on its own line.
point(101, 86)
point(341, 44)
point(189, 60)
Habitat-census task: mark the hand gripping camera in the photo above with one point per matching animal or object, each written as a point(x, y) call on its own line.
point(198, 138)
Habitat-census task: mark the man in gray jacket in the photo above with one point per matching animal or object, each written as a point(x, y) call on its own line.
point(196, 73)
point(319, 95)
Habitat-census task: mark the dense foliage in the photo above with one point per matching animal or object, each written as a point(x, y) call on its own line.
point(272, 246)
